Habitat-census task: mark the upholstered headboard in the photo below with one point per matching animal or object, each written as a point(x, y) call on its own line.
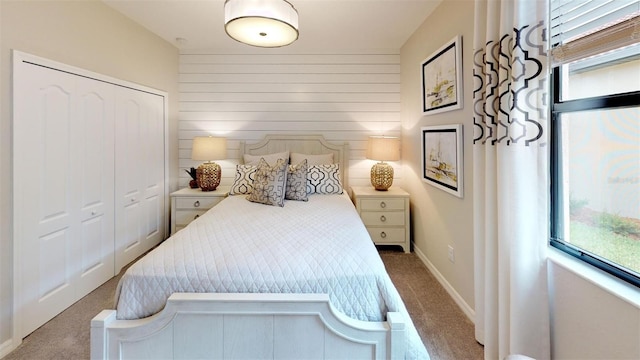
point(306, 144)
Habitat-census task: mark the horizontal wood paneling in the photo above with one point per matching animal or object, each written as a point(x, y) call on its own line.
point(344, 97)
point(280, 97)
point(203, 128)
point(316, 88)
point(312, 78)
point(289, 106)
point(362, 116)
point(206, 58)
point(289, 69)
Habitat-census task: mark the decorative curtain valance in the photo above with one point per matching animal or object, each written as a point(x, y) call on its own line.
point(509, 72)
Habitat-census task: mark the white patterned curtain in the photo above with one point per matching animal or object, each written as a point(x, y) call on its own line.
point(511, 171)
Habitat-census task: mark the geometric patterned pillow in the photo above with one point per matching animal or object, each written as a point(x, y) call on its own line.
point(324, 179)
point(243, 182)
point(297, 182)
point(269, 183)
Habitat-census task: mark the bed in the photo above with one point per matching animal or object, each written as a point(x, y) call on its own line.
point(253, 278)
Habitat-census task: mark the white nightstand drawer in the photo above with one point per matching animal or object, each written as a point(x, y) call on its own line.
point(183, 217)
point(383, 218)
point(189, 204)
point(387, 235)
point(382, 204)
point(197, 203)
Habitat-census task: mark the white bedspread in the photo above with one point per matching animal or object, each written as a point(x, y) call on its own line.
point(319, 246)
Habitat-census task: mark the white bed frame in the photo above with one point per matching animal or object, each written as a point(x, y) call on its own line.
point(247, 326)
point(252, 326)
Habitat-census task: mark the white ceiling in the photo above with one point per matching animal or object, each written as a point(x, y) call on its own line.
point(324, 24)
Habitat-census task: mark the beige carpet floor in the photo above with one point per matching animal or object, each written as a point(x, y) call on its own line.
point(445, 330)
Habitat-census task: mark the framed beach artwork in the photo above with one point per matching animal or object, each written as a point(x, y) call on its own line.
point(442, 79)
point(442, 157)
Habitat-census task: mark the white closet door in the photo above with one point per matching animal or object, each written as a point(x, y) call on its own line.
point(154, 176)
point(63, 190)
point(95, 182)
point(139, 174)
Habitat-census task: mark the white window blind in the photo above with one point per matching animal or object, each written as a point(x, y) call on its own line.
point(583, 28)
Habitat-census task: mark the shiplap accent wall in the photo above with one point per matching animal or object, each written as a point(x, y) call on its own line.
point(346, 97)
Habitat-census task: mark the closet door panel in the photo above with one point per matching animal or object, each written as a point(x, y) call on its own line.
point(139, 174)
point(95, 182)
point(128, 243)
point(154, 174)
point(152, 218)
point(129, 174)
point(44, 199)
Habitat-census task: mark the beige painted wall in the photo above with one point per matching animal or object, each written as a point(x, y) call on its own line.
point(88, 35)
point(589, 321)
point(439, 219)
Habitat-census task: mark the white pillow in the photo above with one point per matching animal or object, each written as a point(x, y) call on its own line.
point(271, 159)
point(319, 159)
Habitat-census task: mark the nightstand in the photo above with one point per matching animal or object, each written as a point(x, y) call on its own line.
point(188, 204)
point(385, 214)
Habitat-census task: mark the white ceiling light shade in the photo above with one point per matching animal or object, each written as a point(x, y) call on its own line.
point(263, 23)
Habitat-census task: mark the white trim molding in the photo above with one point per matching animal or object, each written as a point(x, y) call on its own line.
point(466, 309)
point(8, 346)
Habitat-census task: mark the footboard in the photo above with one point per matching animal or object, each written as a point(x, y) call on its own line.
point(247, 326)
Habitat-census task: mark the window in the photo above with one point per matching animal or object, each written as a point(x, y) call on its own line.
point(595, 133)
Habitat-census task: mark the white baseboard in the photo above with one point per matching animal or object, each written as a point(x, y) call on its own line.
point(8, 346)
point(466, 309)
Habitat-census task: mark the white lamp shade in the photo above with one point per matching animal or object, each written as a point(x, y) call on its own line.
point(263, 23)
point(383, 148)
point(209, 148)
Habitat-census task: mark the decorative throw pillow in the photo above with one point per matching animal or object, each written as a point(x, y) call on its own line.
point(297, 182)
point(243, 182)
point(324, 179)
point(269, 158)
point(320, 159)
point(269, 184)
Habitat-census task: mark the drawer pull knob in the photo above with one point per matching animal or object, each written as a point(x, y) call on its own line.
point(93, 213)
point(383, 234)
point(383, 204)
point(197, 203)
point(195, 217)
point(133, 199)
point(383, 218)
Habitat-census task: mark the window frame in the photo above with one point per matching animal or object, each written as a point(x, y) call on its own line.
point(557, 108)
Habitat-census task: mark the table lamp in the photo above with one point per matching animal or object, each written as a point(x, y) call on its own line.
point(383, 148)
point(209, 148)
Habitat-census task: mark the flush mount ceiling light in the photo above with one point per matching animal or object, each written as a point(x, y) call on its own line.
point(263, 23)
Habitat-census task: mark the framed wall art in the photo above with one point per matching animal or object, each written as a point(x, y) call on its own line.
point(442, 79)
point(442, 165)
